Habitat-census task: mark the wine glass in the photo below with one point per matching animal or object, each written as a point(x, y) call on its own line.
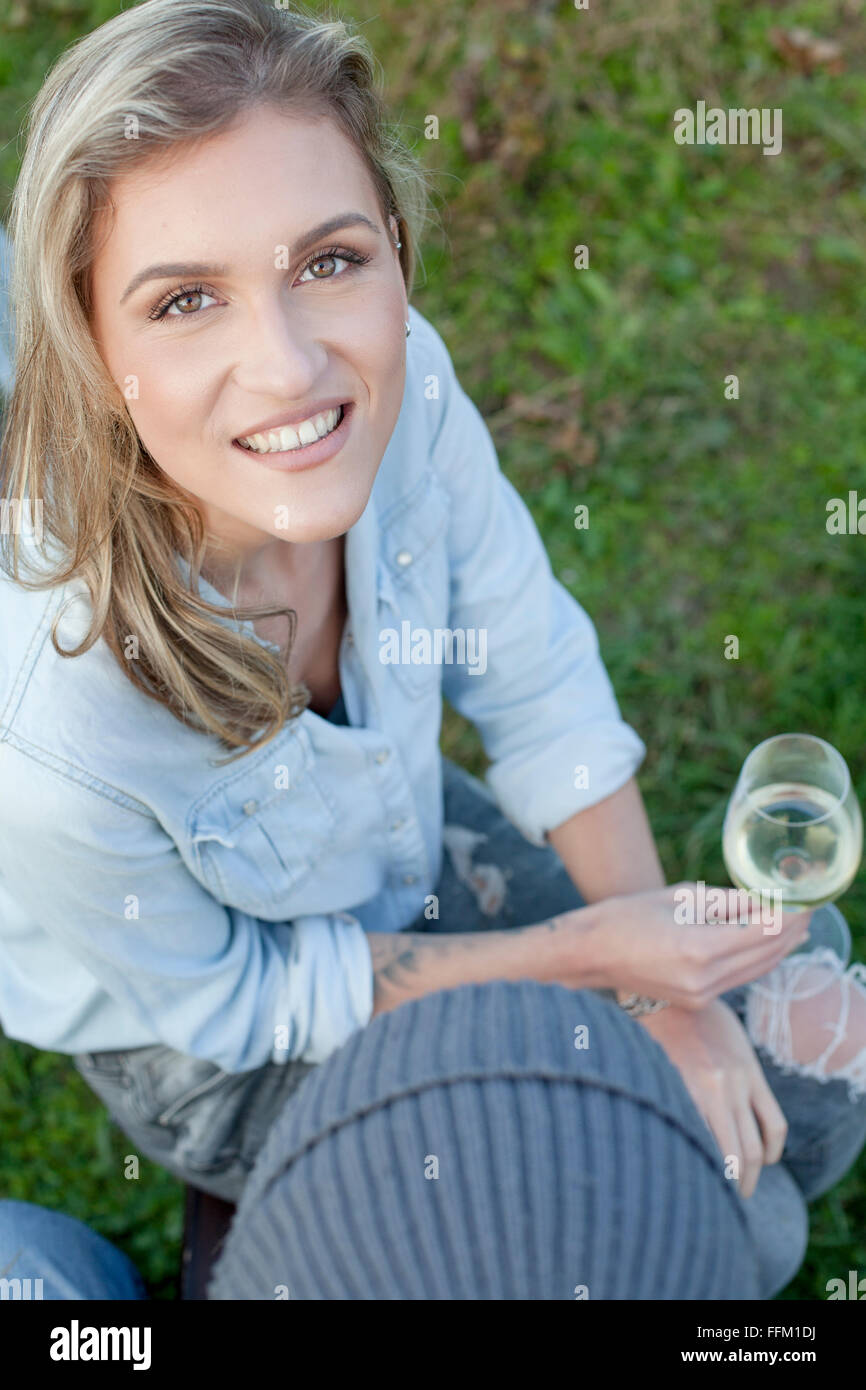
point(793, 829)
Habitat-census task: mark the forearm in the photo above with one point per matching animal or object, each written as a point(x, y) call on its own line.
point(609, 849)
point(407, 965)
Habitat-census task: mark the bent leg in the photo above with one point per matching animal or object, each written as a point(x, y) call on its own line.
point(463, 1146)
point(47, 1255)
point(493, 878)
point(807, 1021)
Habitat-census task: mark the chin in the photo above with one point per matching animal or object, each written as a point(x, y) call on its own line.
point(324, 526)
point(330, 516)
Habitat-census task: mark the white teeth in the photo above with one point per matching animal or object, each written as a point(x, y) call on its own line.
point(288, 437)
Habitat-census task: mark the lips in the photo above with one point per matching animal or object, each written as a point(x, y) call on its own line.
point(307, 455)
point(289, 439)
point(293, 417)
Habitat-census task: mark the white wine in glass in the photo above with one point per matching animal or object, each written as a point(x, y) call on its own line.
point(793, 830)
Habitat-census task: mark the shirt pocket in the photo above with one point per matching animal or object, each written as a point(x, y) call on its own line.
point(184, 1102)
point(257, 834)
point(414, 585)
point(117, 1080)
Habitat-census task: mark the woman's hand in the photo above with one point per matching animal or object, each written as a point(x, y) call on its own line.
point(639, 946)
point(712, 1052)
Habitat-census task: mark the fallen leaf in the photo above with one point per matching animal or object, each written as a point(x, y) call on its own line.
point(805, 51)
point(18, 17)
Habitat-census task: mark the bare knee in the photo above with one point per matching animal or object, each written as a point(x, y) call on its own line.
point(809, 1014)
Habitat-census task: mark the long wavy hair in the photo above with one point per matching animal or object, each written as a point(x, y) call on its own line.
point(184, 69)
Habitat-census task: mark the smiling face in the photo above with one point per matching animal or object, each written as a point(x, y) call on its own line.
point(271, 327)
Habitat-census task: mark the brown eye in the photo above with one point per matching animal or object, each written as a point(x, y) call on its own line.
point(322, 260)
point(168, 308)
point(350, 260)
point(189, 294)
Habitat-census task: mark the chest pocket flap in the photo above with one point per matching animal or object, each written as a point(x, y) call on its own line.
point(258, 832)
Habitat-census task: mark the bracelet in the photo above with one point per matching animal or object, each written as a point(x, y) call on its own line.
point(637, 1004)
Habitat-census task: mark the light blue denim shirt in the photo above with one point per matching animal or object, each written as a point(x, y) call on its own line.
point(149, 896)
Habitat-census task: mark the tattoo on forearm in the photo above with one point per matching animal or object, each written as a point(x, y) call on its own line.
point(399, 961)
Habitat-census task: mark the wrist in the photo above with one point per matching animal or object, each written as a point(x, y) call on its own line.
point(569, 949)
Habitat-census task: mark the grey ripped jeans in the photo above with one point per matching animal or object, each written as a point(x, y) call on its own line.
point(207, 1126)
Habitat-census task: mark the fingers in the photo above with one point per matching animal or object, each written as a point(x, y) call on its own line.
point(701, 959)
point(705, 976)
point(736, 1132)
point(722, 1120)
point(724, 974)
point(748, 1126)
point(698, 904)
point(751, 1152)
point(732, 938)
point(727, 955)
point(769, 1116)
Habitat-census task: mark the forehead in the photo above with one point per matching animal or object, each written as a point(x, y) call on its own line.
point(261, 182)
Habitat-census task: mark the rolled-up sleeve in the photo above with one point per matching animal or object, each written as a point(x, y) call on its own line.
point(327, 987)
point(109, 885)
point(541, 699)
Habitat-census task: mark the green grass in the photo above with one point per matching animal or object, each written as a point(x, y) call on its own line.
point(605, 386)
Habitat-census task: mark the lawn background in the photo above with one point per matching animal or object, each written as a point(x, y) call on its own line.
point(605, 386)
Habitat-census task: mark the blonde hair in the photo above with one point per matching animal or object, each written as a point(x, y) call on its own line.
point(183, 69)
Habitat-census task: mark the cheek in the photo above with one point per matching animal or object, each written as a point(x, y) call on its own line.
point(395, 382)
point(377, 334)
point(169, 408)
point(381, 361)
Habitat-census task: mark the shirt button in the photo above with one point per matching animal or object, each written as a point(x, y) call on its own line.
point(250, 808)
point(403, 557)
point(383, 755)
point(409, 878)
point(396, 824)
point(350, 641)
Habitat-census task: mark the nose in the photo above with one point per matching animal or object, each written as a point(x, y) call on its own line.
point(277, 350)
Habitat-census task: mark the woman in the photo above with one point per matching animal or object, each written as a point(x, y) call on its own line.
point(219, 421)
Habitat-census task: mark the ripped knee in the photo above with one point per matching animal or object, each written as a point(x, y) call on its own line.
point(809, 1014)
point(488, 882)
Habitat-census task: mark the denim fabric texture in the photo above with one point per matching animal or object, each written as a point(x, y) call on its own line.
point(47, 1255)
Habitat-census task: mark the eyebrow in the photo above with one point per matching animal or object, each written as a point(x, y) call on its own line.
point(167, 270)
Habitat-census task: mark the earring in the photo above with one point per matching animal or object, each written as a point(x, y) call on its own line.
point(408, 328)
